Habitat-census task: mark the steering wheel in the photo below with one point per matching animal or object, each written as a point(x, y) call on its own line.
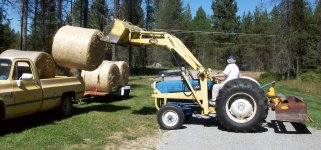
point(217, 80)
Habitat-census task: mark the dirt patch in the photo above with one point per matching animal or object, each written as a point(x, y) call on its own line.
point(126, 142)
point(254, 75)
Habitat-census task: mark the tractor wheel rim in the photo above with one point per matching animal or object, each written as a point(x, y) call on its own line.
point(241, 107)
point(170, 118)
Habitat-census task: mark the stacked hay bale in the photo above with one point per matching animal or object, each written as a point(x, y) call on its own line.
point(124, 72)
point(106, 78)
point(44, 62)
point(75, 47)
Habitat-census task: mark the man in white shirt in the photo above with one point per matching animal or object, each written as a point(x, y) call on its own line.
point(230, 72)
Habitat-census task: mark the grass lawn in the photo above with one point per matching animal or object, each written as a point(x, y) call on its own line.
point(313, 101)
point(99, 124)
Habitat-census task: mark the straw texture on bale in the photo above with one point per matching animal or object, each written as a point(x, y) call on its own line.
point(75, 47)
point(44, 62)
point(124, 72)
point(104, 79)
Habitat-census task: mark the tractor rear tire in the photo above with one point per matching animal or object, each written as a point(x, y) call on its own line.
point(241, 106)
point(170, 117)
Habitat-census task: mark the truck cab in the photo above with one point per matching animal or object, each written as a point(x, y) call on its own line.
point(23, 93)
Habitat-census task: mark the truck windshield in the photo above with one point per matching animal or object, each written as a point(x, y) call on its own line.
point(5, 66)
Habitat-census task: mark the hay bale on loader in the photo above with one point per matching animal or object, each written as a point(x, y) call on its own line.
point(75, 47)
point(44, 62)
point(104, 80)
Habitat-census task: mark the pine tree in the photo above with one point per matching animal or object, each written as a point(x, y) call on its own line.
point(261, 25)
point(245, 50)
point(298, 34)
point(188, 38)
point(134, 14)
point(317, 18)
point(201, 23)
point(169, 16)
point(98, 17)
point(224, 18)
point(7, 35)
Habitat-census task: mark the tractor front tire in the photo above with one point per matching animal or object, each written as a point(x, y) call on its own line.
point(170, 117)
point(241, 106)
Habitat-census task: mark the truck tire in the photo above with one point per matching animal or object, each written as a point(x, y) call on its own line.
point(66, 105)
point(241, 106)
point(170, 117)
point(2, 110)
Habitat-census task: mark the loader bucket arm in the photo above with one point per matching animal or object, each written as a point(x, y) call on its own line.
point(124, 33)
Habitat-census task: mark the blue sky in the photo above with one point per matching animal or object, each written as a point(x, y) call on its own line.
point(243, 6)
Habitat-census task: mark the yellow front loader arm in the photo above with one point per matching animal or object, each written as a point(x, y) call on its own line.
point(124, 33)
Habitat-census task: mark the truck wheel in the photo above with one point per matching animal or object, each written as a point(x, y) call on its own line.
point(241, 106)
point(170, 117)
point(66, 105)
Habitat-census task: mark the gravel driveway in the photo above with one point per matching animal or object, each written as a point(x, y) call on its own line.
point(204, 133)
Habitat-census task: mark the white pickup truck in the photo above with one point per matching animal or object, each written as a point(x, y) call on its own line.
point(23, 93)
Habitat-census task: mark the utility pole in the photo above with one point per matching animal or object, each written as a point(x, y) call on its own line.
point(114, 56)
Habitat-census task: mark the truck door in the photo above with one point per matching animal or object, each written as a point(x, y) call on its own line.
point(27, 93)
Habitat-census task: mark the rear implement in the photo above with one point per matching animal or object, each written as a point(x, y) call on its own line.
point(292, 109)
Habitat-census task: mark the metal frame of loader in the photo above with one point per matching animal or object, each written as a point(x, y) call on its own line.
point(241, 106)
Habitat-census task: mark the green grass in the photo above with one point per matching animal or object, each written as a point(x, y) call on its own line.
point(94, 124)
point(313, 100)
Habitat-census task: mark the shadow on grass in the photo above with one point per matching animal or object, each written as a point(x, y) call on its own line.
point(146, 111)
point(107, 98)
point(20, 124)
point(100, 107)
point(17, 125)
point(280, 128)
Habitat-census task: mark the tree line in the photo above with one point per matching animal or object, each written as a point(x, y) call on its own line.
point(286, 40)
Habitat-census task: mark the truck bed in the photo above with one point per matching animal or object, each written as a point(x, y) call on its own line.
point(54, 87)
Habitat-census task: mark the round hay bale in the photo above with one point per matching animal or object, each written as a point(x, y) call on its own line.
point(75, 47)
point(104, 79)
point(44, 62)
point(124, 71)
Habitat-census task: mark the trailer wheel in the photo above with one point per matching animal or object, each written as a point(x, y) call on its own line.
point(241, 106)
point(66, 105)
point(170, 117)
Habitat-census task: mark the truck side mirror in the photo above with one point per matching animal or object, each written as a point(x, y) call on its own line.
point(26, 76)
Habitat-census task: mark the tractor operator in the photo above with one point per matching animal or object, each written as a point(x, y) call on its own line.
point(230, 72)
